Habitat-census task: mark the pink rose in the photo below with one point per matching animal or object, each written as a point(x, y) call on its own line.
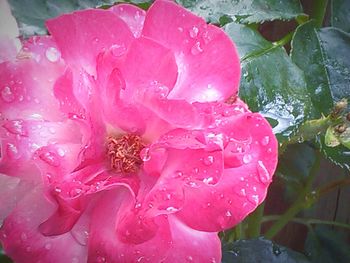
point(117, 144)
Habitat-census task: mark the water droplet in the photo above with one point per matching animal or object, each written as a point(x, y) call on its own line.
point(172, 209)
point(180, 29)
point(209, 180)
point(247, 158)
point(162, 91)
point(145, 155)
point(118, 50)
point(61, 152)
point(209, 160)
point(48, 246)
point(228, 213)
point(50, 158)
point(101, 259)
point(242, 192)
point(265, 141)
point(196, 49)
point(12, 151)
point(15, 127)
point(138, 205)
point(58, 189)
point(254, 199)
point(7, 94)
point(52, 54)
point(189, 258)
point(24, 236)
point(194, 32)
point(264, 175)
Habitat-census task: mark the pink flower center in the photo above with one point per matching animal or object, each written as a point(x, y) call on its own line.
point(124, 152)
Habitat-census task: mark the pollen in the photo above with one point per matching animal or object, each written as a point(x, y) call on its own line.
point(124, 153)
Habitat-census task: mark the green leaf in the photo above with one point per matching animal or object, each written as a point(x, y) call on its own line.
point(323, 56)
point(245, 11)
point(330, 138)
point(339, 155)
point(340, 18)
point(294, 166)
point(259, 250)
point(32, 14)
point(271, 83)
point(324, 245)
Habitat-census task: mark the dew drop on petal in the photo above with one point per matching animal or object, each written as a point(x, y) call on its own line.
point(209, 160)
point(254, 199)
point(50, 158)
point(196, 49)
point(7, 94)
point(12, 151)
point(118, 50)
point(264, 175)
point(228, 213)
point(52, 54)
point(265, 141)
point(15, 127)
point(194, 32)
point(247, 158)
point(145, 155)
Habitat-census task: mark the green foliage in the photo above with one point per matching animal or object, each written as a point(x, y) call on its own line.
point(295, 166)
point(271, 83)
point(340, 10)
point(244, 11)
point(324, 245)
point(260, 250)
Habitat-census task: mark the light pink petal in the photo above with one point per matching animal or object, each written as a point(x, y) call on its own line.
point(147, 63)
point(189, 245)
point(250, 160)
point(132, 15)
point(26, 84)
point(23, 242)
point(89, 32)
point(108, 236)
point(208, 62)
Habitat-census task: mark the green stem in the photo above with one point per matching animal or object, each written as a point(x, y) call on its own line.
point(307, 221)
point(286, 39)
point(319, 11)
point(298, 205)
point(254, 221)
point(310, 129)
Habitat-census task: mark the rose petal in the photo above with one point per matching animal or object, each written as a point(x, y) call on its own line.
point(243, 185)
point(89, 32)
point(207, 59)
point(26, 85)
point(189, 245)
point(132, 15)
point(22, 241)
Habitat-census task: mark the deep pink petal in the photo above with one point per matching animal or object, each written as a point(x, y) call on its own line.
point(207, 59)
point(132, 15)
point(89, 32)
point(250, 160)
point(189, 245)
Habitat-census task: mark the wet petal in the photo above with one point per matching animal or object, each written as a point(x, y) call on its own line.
point(89, 32)
point(208, 62)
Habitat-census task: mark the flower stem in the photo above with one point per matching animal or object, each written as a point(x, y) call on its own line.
point(319, 11)
point(254, 221)
point(298, 205)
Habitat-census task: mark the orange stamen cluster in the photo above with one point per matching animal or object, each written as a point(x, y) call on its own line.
point(124, 152)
